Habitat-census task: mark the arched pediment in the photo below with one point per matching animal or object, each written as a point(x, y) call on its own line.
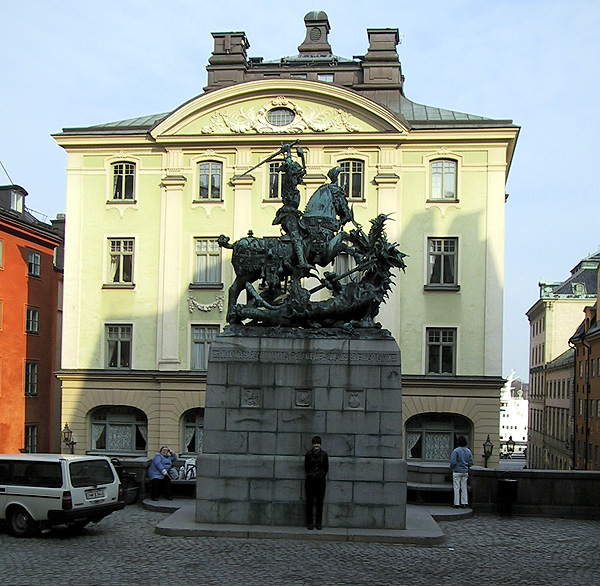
point(245, 108)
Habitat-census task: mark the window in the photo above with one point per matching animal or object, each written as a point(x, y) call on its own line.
point(326, 77)
point(351, 178)
point(119, 429)
point(443, 180)
point(433, 436)
point(280, 116)
point(193, 431)
point(443, 257)
point(274, 181)
point(120, 268)
point(441, 350)
point(123, 181)
point(31, 440)
point(207, 268)
point(202, 336)
point(1, 253)
point(32, 321)
point(16, 201)
point(31, 379)
point(34, 264)
point(344, 263)
point(210, 180)
point(118, 346)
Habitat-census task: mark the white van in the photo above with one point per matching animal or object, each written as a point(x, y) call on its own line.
point(40, 490)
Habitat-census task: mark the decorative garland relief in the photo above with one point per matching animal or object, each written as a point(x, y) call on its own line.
point(218, 303)
point(318, 120)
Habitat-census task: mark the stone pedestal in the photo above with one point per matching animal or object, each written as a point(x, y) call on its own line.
point(266, 398)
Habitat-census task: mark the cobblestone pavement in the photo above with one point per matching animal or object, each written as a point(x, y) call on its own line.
point(484, 550)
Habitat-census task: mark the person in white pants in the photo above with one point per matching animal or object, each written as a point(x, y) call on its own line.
point(460, 462)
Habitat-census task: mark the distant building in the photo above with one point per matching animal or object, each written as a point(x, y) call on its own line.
point(30, 295)
point(552, 321)
point(147, 198)
point(513, 417)
point(587, 389)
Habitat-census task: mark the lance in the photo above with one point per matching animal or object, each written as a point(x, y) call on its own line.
point(283, 148)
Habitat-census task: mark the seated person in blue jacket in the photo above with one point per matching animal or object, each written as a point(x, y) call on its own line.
point(158, 472)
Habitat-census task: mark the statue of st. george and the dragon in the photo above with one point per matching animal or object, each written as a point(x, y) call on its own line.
point(273, 269)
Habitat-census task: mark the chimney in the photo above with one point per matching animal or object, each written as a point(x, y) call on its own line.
point(317, 28)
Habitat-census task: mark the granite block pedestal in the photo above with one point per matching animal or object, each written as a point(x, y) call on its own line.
point(268, 395)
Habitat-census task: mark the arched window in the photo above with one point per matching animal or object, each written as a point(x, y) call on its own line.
point(123, 181)
point(433, 436)
point(118, 430)
point(352, 178)
point(193, 431)
point(443, 180)
point(210, 173)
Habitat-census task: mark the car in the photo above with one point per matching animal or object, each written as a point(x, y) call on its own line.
point(38, 491)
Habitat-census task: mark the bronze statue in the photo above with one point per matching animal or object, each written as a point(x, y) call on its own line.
point(313, 238)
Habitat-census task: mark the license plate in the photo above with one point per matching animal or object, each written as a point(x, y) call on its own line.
point(91, 495)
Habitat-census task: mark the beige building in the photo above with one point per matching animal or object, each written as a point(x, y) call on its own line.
point(553, 319)
point(145, 281)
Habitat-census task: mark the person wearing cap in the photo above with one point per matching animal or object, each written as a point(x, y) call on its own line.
point(316, 466)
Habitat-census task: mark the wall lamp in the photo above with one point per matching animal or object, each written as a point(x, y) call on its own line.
point(488, 447)
point(67, 436)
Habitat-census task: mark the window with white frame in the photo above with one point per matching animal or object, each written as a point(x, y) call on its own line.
point(207, 264)
point(119, 429)
point(209, 175)
point(441, 350)
point(34, 264)
point(31, 379)
point(193, 431)
point(202, 337)
point(443, 180)
point(343, 264)
point(118, 346)
point(31, 439)
point(32, 320)
point(351, 178)
point(443, 261)
point(123, 181)
point(120, 252)
point(1, 253)
point(16, 201)
point(274, 181)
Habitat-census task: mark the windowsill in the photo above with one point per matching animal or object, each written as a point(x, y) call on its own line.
point(272, 200)
point(218, 286)
point(30, 396)
point(118, 368)
point(32, 333)
point(450, 288)
point(39, 277)
point(207, 200)
point(121, 201)
point(443, 201)
point(126, 286)
point(437, 374)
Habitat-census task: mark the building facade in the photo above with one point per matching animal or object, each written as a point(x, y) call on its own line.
point(147, 198)
point(586, 342)
point(552, 321)
point(30, 294)
point(513, 417)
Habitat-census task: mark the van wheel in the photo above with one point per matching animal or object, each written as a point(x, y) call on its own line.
point(21, 524)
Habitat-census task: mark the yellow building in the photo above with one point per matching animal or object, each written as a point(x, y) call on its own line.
point(145, 282)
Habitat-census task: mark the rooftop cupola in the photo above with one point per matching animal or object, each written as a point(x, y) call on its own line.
point(317, 28)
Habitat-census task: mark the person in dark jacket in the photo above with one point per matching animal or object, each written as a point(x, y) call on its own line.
point(460, 462)
point(316, 466)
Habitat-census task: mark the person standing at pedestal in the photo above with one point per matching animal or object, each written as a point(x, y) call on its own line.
point(316, 466)
point(158, 472)
point(460, 462)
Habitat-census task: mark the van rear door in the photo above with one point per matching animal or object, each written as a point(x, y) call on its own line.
point(93, 482)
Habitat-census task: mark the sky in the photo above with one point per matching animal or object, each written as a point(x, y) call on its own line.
point(69, 63)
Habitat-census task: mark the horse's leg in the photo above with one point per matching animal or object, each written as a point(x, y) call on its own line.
point(234, 292)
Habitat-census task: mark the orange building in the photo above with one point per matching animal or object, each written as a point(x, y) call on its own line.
point(30, 289)
point(587, 389)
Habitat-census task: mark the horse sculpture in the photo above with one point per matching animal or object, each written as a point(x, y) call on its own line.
point(279, 266)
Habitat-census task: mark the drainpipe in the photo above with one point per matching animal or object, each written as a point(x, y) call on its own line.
point(587, 398)
point(573, 408)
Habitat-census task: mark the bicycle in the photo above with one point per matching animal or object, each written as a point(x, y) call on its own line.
point(130, 485)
